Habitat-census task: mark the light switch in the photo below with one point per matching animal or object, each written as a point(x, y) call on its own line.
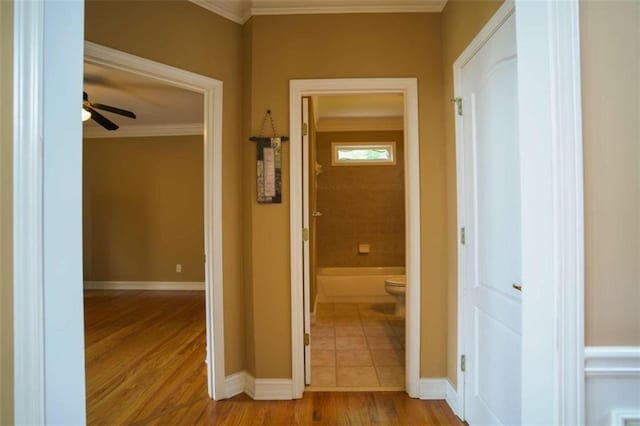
point(178, 267)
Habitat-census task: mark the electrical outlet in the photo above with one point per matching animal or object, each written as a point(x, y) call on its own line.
point(178, 267)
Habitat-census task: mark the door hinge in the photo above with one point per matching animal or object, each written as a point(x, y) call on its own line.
point(205, 258)
point(305, 234)
point(307, 339)
point(463, 238)
point(458, 101)
point(305, 129)
point(463, 363)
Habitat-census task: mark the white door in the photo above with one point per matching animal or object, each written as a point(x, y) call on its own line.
point(492, 248)
point(305, 244)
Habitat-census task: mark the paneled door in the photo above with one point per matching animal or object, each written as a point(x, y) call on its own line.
point(490, 239)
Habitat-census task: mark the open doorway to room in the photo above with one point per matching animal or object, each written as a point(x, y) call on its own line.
point(357, 276)
point(150, 206)
point(357, 143)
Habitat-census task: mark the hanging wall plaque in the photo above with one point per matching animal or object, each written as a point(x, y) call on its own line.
point(269, 164)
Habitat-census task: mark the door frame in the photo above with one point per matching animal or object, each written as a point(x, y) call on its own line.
point(211, 90)
point(409, 88)
point(550, 129)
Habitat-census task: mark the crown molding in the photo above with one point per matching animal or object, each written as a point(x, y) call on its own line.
point(241, 11)
point(141, 131)
point(232, 10)
point(359, 124)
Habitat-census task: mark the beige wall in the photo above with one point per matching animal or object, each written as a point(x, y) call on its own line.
point(143, 209)
point(461, 21)
point(610, 37)
point(248, 196)
point(360, 205)
point(186, 36)
point(342, 46)
point(6, 217)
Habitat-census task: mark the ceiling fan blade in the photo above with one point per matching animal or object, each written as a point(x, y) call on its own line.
point(114, 110)
point(101, 119)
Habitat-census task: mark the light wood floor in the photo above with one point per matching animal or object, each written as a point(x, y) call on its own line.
point(144, 363)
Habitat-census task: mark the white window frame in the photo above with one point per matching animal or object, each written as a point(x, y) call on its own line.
point(390, 146)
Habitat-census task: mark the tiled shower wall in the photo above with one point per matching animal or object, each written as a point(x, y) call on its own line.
point(360, 205)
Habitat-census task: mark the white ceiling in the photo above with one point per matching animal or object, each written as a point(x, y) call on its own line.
point(155, 103)
point(241, 10)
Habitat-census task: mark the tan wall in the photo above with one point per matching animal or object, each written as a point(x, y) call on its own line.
point(342, 46)
point(6, 209)
point(143, 202)
point(461, 21)
point(249, 196)
point(610, 37)
point(186, 36)
point(360, 205)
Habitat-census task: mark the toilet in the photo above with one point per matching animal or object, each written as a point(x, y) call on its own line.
point(397, 287)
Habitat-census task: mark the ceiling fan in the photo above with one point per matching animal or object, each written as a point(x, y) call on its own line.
point(89, 112)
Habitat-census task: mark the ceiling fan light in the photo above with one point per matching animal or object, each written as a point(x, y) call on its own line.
point(85, 115)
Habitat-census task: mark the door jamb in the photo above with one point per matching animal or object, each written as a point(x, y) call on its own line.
point(211, 90)
point(550, 121)
point(409, 88)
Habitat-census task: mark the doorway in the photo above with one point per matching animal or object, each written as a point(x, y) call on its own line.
point(300, 216)
point(210, 91)
point(356, 221)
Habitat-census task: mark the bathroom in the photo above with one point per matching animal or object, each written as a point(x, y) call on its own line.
point(357, 242)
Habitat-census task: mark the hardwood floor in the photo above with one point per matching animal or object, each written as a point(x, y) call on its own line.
point(145, 365)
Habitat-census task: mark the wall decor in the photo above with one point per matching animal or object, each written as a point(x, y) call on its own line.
point(269, 163)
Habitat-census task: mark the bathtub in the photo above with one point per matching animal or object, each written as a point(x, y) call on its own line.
point(355, 285)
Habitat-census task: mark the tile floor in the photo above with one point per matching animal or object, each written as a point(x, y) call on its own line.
point(357, 346)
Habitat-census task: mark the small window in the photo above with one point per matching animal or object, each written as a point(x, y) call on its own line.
point(363, 153)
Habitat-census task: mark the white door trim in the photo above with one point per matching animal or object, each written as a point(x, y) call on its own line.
point(550, 118)
point(550, 121)
point(211, 89)
point(28, 206)
point(408, 87)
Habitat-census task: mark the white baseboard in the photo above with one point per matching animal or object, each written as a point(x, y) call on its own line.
point(433, 388)
point(452, 398)
point(612, 391)
point(145, 285)
point(258, 389)
point(235, 384)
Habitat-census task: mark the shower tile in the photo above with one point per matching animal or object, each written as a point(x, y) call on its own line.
point(323, 376)
point(351, 343)
point(357, 376)
point(353, 358)
point(323, 358)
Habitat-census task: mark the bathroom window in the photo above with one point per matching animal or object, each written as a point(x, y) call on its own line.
point(363, 153)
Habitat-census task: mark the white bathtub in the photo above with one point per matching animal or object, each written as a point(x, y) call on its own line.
point(355, 285)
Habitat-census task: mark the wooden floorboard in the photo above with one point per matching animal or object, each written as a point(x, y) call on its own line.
point(145, 365)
